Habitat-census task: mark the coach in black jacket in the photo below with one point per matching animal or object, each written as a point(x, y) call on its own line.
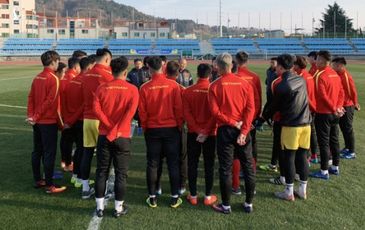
point(291, 101)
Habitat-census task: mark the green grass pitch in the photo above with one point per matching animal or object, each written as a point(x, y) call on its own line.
point(335, 204)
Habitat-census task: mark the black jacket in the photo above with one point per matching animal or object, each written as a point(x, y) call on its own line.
point(138, 77)
point(291, 100)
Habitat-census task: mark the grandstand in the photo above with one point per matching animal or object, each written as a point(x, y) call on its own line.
point(14, 47)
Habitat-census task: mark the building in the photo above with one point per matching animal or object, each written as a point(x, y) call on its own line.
point(141, 30)
point(18, 19)
point(55, 27)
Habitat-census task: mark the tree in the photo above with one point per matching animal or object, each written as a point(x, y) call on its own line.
point(335, 23)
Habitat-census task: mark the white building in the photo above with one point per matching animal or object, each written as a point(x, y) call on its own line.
point(141, 30)
point(18, 18)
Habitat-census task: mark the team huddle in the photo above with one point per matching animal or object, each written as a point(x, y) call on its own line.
point(96, 103)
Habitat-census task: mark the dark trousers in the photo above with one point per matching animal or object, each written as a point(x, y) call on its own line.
point(347, 129)
point(194, 150)
point(295, 161)
point(226, 148)
point(276, 146)
point(327, 134)
point(183, 162)
point(68, 138)
point(183, 158)
point(118, 152)
point(254, 143)
point(86, 161)
point(44, 150)
point(166, 141)
point(314, 140)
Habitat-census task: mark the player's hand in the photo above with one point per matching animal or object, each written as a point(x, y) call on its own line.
point(241, 140)
point(30, 121)
point(238, 125)
point(201, 138)
point(357, 107)
point(340, 112)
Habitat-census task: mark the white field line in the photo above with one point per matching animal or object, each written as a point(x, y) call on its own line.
point(15, 78)
point(13, 106)
point(12, 116)
point(95, 221)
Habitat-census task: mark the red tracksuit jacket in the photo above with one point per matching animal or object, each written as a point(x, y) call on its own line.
point(196, 109)
point(43, 98)
point(349, 88)
point(95, 77)
point(73, 103)
point(231, 100)
point(328, 91)
point(69, 75)
point(115, 104)
point(160, 104)
point(313, 69)
point(255, 82)
point(310, 88)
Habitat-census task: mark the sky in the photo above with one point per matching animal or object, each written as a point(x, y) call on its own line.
point(286, 15)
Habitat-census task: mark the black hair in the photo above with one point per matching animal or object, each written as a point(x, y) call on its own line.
point(72, 62)
point(119, 65)
point(85, 62)
point(79, 54)
point(102, 52)
point(92, 58)
point(325, 54)
point(137, 60)
point(313, 54)
point(286, 61)
point(241, 57)
point(145, 61)
point(163, 58)
point(274, 58)
point(301, 62)
point(185, 71)
point(340, 60)
point(60, 67)
point(172, 68)
point(49, 56)
point(154, 63)
point(204, 70)
point(234, 67)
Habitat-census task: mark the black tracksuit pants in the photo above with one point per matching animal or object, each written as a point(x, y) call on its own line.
point(118, 152)
point(194, 150)
point(168, 142)
point(227, 147)
point(44, 150)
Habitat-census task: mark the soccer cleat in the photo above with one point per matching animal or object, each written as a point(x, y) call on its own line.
point(219, 208)
point(319, 175)
point(211, 200)
point(175, 202)
point(236, 192)
point(55, 189)
point(192, 200)
point(73, 180)
point(301, 195)
point(39, 184)
point(277, 181)
point(87, 194)
point(335, 172)
point(152, 202)
point(344, 151)
point(124, 211)
point(284, 196)
point(99, 213)
point(78, 183)
point(348, 156)
point(247, 208)
point(269, 168)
